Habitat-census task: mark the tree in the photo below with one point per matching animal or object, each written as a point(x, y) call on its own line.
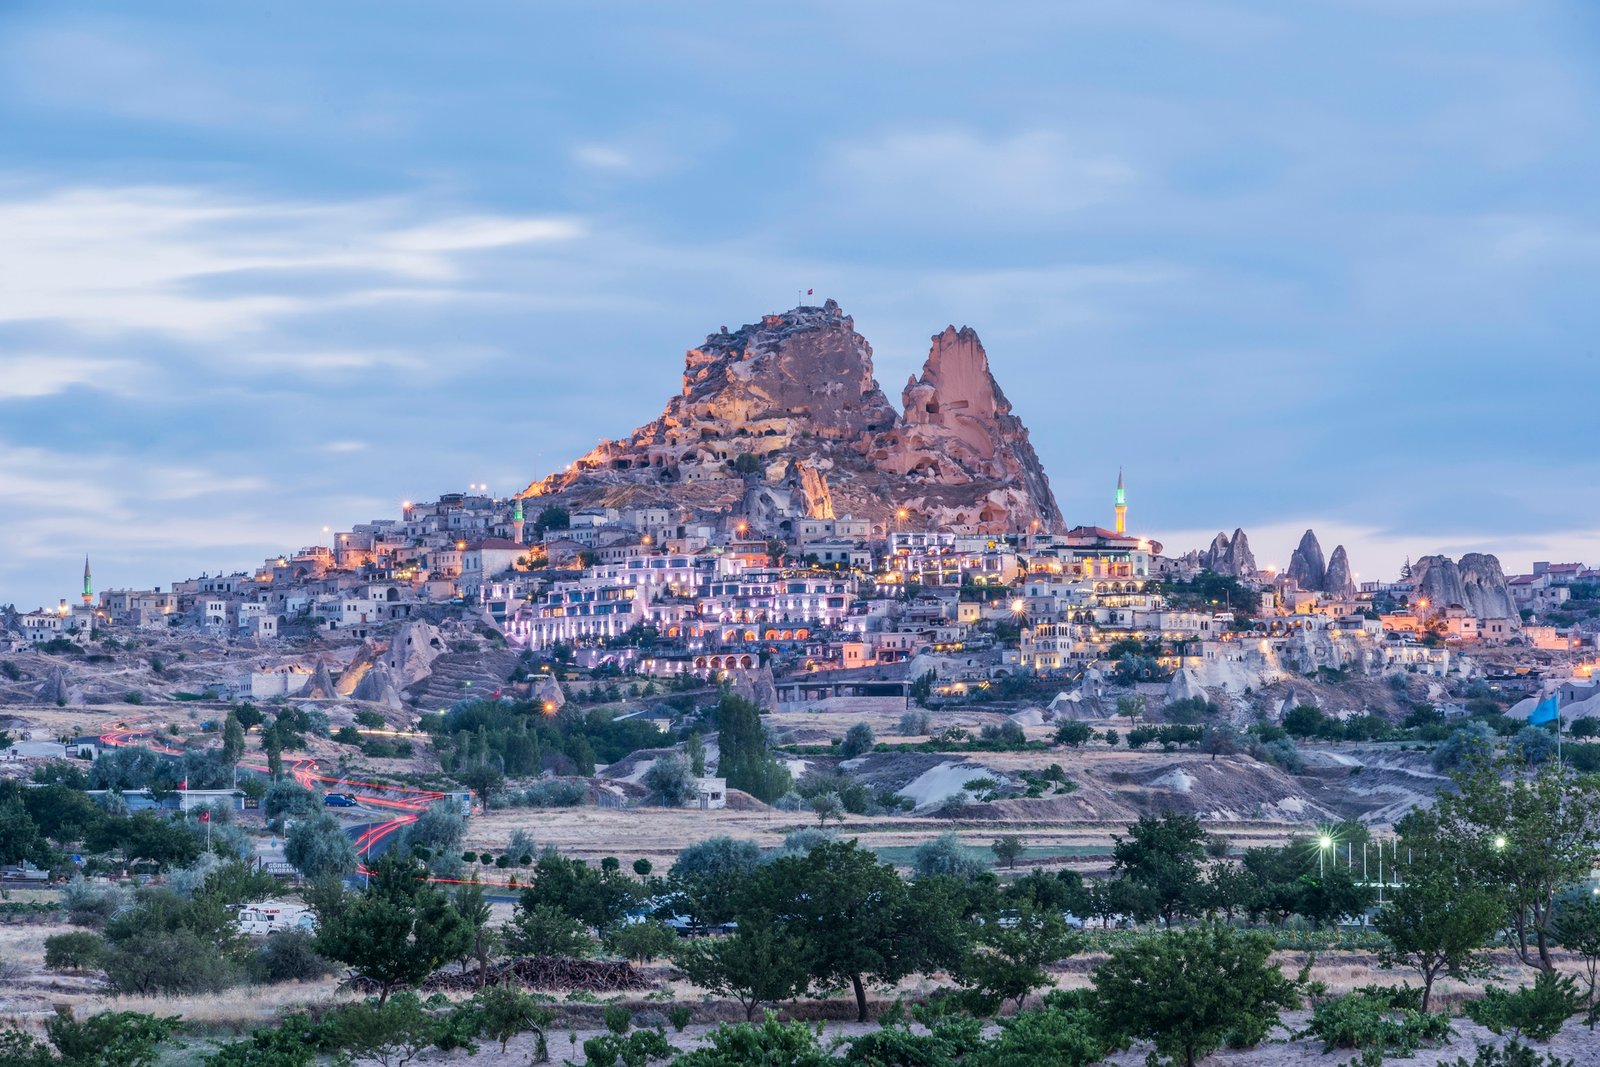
point(1007, 848)
point(594, 897)
point(1577, 929)
point(1440, 916)
point(1533, 745)
point(288, 798)
point(553, 517)
point(945, 855)
point(1074, 733)
point(1471, 744)
point(437, 832)
point(745, 760)
point(232, 740)
point(1303, 720)
point(755, 966)
point(545, 930)
point(1011, 956)
point(694, 750)
point(1188, 991)
point(1163, 856)
point(482, 940)
point(1131, 707)
point(1531, 836)
point(390, 1031)
point(851, 911)
point(506, 1011)
point(827, 806)
point(396, 933)
point(319, 847)
point(709, 874)
point(670, 781)
point(858, 739)
point(1219, 739)
point(641, 941)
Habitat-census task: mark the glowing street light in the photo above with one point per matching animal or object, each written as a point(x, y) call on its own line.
point(1499, 842)
point(1324, 843)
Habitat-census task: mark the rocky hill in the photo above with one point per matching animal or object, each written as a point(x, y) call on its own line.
point(1475, 583)
point(784, 419)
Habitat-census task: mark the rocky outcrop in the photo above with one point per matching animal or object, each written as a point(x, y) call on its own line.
point(1476, 583)
point(1230, 557)
point(321, 686)
point(783, 419)
point(1306, 565)
point(55, 689)
point(378, 685)
point(412, 652)
point(1339, 581)
point(546, 692)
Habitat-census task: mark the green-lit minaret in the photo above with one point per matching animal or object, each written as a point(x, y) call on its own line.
point(516, 520)
point(88, 584)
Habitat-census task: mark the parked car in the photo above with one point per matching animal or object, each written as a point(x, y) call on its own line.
point(338, 800)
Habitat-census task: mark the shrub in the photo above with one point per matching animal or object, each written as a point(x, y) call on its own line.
point(945, 855)
point(1515, 1054)
point(553, 793)
point(1377, 1020)
point(79, 950)
point(618, 1018)
point(1539, 1010)
point(915, 723)
point(290, 956)
point(858, 739)
point(1073, 734)
point(670, 781)
point(640, 941)
point(93, 904)
point(680, 1016)
point(1474, 741)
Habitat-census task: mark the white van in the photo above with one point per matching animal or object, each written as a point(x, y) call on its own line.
point(275, 916)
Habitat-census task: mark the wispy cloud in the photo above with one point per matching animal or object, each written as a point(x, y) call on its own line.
point(106, 259)
point(31, 375)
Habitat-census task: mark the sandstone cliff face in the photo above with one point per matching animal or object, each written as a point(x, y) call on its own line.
point(1476, 583)
point(796, 394)
point(1339, 580)
point(1306, 565)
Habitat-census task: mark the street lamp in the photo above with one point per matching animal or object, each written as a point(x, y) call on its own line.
point(1324, 843)
point(1499, 842)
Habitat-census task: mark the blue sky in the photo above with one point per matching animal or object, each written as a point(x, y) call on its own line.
point(270, 267)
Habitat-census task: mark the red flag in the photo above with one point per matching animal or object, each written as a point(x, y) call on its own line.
point(810, 291)
point(205, 816)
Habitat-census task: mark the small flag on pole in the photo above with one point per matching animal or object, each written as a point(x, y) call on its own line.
point(810, 291)
point(1547, 710)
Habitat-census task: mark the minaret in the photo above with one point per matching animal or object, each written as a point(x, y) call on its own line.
point(516, 521)
point(1122, 505)
point(88, 586)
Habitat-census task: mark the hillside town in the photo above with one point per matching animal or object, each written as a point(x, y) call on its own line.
point(831, 608)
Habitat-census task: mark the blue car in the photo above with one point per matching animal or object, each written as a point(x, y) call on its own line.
point(338, 800)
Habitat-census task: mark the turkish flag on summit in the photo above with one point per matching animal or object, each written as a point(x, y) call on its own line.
point(810, 291)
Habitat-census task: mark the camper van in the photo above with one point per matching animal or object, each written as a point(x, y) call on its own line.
point(275, 916)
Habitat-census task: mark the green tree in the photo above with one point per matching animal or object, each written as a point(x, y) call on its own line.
point(710, 873)
point(745, 760)
point(1303, 720)
point(232, 740)
point(1532, 836)
point(594, 896)
point(857, 740)
point(390, 1030)
point(545, 930)
point(1007, 848)
point(397, 932)
point(507, 1011)
point(319, 847)
point(482, 940)
point(852, 912)
point(1012, 953)
point(1131, 707)
point(671, 781)
point(1188, 991)
point(1163, 856)
point(1074, 733)
point(755, 966)
point(1577, 929)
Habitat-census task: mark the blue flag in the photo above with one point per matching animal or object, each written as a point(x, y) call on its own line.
point(1544, 711)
